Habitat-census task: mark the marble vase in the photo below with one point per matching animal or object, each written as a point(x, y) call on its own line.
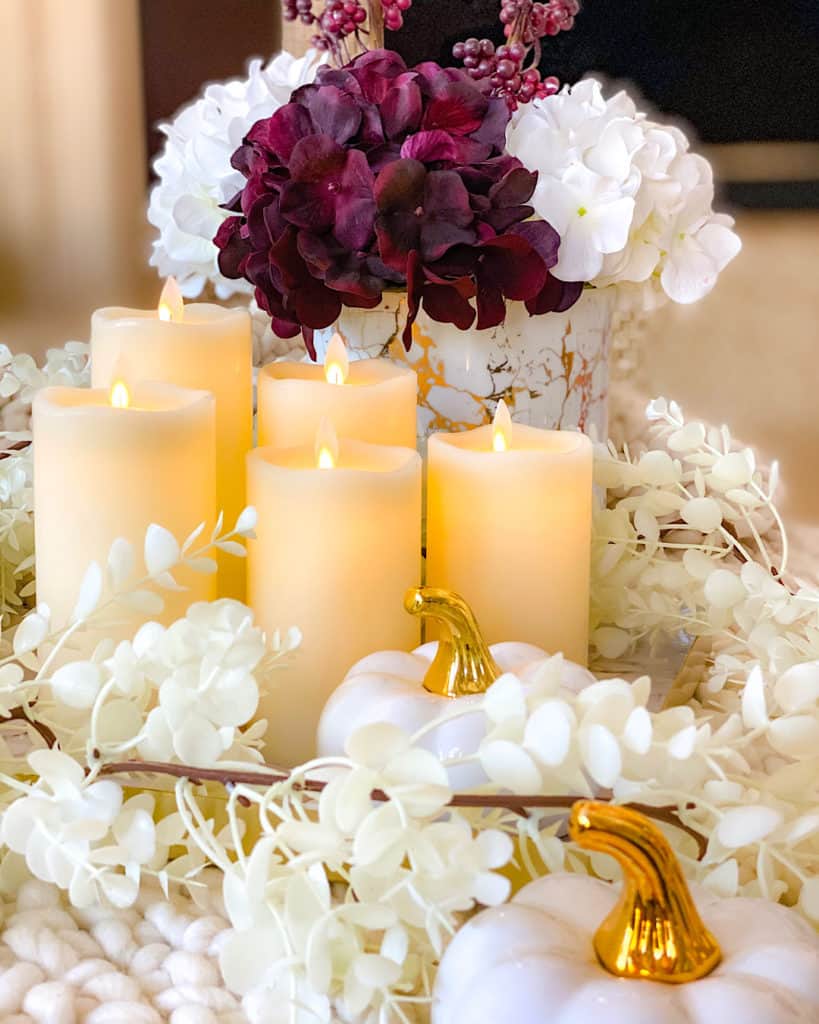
point(552, 370)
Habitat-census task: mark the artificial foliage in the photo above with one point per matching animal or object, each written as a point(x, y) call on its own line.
point(632, 204)
point(380, 177)
point(345, 879)
point(20, 379)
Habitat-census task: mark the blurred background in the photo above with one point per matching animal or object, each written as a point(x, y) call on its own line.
point(85, 84)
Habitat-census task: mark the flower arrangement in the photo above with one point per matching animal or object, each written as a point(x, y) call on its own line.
point(612, 198)
point(343, 880)
point(375, 177)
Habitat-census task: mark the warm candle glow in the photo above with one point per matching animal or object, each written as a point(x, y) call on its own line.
point(326, 446)
point(336, 363)
point(120, 399)
point(171, 305)
point(501, 428)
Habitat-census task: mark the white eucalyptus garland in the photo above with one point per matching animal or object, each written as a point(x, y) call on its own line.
point(20, 378)
point(344, 879)
point(16, 536)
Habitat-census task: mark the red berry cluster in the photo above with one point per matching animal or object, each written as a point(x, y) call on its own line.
point(530, 21)
point(394, 13)
point(342, 18)
point(525, 24)
point(301, 9)
point(504, 69)
point(512, 69)
point(339, 19)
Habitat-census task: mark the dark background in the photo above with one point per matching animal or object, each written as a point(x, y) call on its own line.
point(735, 71)
point(186, 43)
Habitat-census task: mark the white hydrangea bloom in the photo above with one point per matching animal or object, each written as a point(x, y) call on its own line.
point(194, 172)
point(633, 207)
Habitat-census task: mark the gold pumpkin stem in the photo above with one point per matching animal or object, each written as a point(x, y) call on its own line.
point(655, 931)
point(464, 663)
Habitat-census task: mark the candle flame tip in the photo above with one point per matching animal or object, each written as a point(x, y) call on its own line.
point(120, 398)
point(171, 304)
point(501, 428)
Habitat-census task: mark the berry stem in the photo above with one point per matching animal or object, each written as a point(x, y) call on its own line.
point(517, 35)
point(536, 53)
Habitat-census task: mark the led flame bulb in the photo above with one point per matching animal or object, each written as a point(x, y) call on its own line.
point(325, 459)
point(326, 446)
point(336, 363)
point(120, 399)
point(501, 428)
point(171, 305)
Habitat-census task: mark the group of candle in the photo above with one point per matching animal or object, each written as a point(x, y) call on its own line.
point(165, 436)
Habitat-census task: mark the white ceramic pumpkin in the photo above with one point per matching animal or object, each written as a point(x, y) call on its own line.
point(546, 957)
point(411, 690)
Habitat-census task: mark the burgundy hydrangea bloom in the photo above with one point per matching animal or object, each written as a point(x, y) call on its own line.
point(378, 176)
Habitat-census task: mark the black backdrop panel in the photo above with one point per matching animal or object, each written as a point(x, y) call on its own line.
point(737, 70)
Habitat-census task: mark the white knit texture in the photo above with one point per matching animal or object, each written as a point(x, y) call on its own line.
point(155, 962)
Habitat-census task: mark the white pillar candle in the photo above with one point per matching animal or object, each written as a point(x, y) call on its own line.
point(367, 400)
point(509, 529)
point(102, 471)
point(202, 346)
point(336, 549)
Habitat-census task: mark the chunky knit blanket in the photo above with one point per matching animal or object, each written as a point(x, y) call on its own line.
point(155, 962)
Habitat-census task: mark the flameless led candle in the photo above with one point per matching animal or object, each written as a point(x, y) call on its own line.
point(337, 545)
point(201, 346)
point(509, 529)
point(367, 400)
point(107, 464)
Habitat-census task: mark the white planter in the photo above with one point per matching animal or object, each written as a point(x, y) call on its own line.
point(552, 370)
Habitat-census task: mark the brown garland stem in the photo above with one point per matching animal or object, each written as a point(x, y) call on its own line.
point(19, 715)
point(517, 804)
point(14, 449)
